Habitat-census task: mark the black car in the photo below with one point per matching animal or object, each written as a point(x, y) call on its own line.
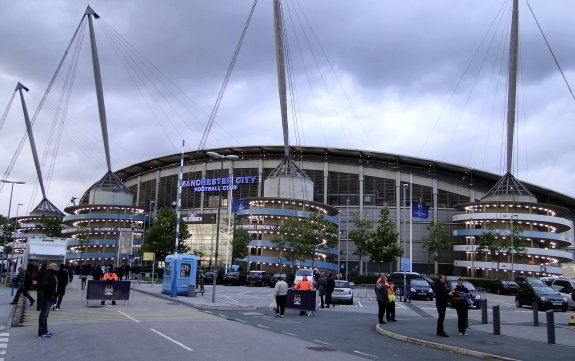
point(503, 287)
point(526, 280)
point(235, 278)
point(545, 296)
point(475, 296)
point(275, 278)
point(417, 288)
point(209, 278)
point(260, 278)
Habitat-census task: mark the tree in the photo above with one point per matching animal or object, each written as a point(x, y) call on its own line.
point(496, 243)
point(361, 236)
point(303, 237)
point(436, 241)
point(240, 242)
point(50, 226)
point(383, 246)
point(161, 237)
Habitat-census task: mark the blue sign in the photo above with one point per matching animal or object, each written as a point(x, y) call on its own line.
point(404, 264)
point(419, 210)
point(238, 204)
point(217, 184)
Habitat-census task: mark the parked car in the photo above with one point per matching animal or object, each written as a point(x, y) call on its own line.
point(275, 278)
point(261, 278)
point(342, 292)
point(475, 296)
point(303, 271)
point(569, 294)
point(524, 280)
point(235, 278)
point(417, 288)
point(545, 296)
point(503, 287)
point(560, 283)
point(209, 278)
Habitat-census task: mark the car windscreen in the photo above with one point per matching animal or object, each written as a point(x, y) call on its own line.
point(342, 284)
point(540, 290)
point(233, 273)
point(301, 272)
point(419, 283)
point(509, 283)
point(278, 275)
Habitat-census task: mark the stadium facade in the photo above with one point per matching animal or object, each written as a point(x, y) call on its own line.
point(355, 182)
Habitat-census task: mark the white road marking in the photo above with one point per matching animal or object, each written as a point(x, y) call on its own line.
point(289, 333)
point(4, 334)
point(237, 319)
point(128, 316)
point(3, 339)
point(231, 299)
point(2, 352)
point(359, 304)
point(318, 341)
point(171, 339)
point(366, 354)
point(3, 345)
point(262, 326)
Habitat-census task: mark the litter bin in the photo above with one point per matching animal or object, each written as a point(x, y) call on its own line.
point(192, 291)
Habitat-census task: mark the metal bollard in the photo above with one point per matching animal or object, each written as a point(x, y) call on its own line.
point(496, 321)
point(484, 311)
point(550, 326)
point(535, 314)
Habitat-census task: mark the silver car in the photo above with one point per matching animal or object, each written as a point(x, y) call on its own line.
point(342, 292)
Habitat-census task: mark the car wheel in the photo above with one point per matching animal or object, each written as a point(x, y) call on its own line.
point(518, 303)
point(499, 291)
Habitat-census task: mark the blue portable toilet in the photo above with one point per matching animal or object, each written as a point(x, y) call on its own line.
point(186, 266)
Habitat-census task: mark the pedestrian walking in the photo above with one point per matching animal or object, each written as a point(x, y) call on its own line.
point(461, 295)
point(322, 290)
point(201, 281)
point(39, 294)
point(441, 294)
point(390, 307)
point(382, 299)
point(70, 273)
point(280, 293)
point(329, 287)
point(23, 283)
point(62, 283)
point(48, 284)
point(97, 273)
point(84, 272)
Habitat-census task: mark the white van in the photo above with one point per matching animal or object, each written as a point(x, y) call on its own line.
point(303, 271)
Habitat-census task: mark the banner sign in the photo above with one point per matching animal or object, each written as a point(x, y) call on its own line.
point(149, 256)
point(125, 240)
point(105, 290)
point(192, 218)
point(419, 210)
point(238, 204)
point(217, 184)
point(301, 300)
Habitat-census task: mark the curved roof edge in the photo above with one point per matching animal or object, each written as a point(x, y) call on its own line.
point(364, 156)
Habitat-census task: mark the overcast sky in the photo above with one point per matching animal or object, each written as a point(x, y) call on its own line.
point(419, 78)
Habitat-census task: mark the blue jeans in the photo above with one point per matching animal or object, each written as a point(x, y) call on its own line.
point(44, 312)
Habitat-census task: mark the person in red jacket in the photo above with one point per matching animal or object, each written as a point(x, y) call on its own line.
point(110, 277)
point(304, 285)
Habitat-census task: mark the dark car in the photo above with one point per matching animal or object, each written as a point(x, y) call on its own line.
point(503, 287)
point(235, 278)
point(260, 278)
point(275, 278)
point(475, 296)
point(545, 296)
point(525, 280)
point(417, 288)
point(209, 278)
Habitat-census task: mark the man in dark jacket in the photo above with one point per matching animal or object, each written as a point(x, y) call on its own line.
point(48, 284)
point(39, 277)
point(62, 283)
point(441, 294)
point(330, 286)
point(382, 299)
point(23, 283)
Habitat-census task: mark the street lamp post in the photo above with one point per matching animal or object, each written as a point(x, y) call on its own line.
point(347, 240)
point(405, 185)
point(512, 249)
point(215, 277)
point(7, 219)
